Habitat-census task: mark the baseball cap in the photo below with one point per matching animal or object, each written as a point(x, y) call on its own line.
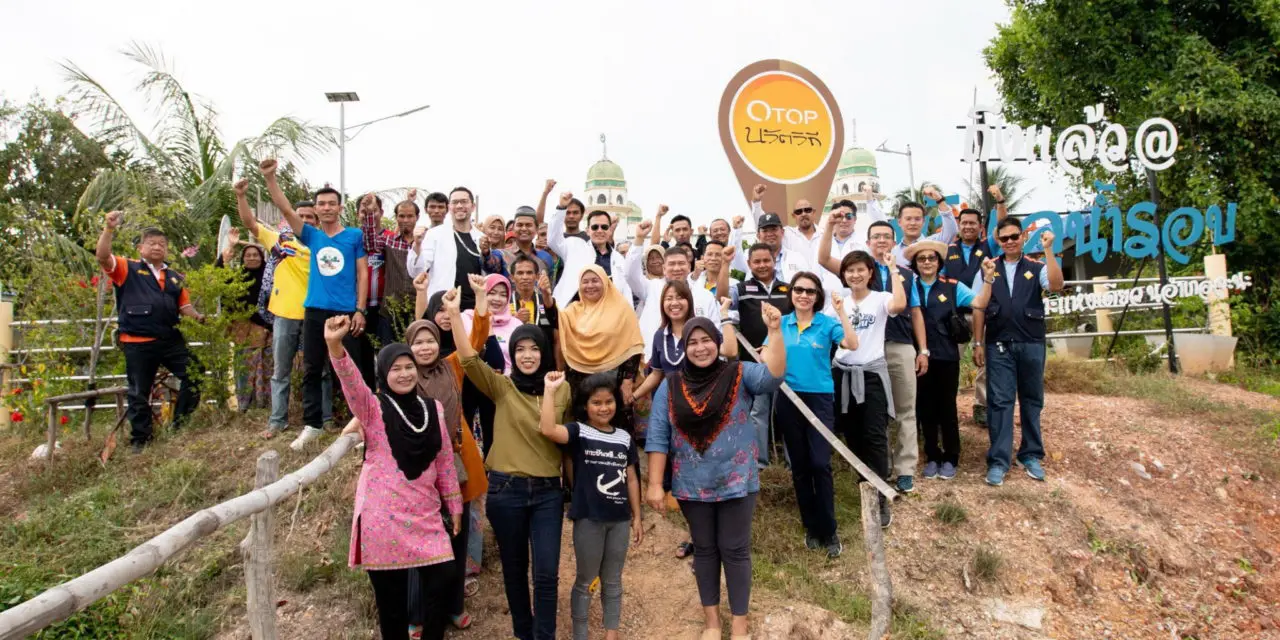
point(768, 220)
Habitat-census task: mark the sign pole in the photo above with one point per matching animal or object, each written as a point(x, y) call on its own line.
point(1164, 276)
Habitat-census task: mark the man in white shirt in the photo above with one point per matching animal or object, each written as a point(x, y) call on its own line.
point(578, 253)
point(441, 250)
point(787, 262)
point(911, 221)
point(712, 263)
point(677, 263)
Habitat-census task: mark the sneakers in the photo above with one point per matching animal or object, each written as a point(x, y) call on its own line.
point(834, 547)
point(1033, 468)
point(995, 476)
point(308, 435)
point(947, 472)
point(930, 470)
point(980, 415)
point(811, 542)
point(906, 484)
point(886, 513)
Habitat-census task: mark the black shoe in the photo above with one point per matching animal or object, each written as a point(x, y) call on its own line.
point(811, 542)
point(137, 447)
point(886, 513)
point(834, 547)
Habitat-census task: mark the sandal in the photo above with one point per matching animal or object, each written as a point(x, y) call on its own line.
point(684, 550)
point(268, 434)
point(461, 622)
point(471, 587)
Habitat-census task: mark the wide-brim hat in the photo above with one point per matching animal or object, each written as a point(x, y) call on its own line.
point(925, 245)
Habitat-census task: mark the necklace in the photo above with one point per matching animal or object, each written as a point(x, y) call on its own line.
point(666, 353)
point(426, 418)
point(464, 244)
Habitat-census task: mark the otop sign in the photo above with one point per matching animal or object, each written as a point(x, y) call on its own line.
point(780, 126)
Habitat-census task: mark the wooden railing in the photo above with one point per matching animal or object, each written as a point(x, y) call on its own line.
point(68, 598)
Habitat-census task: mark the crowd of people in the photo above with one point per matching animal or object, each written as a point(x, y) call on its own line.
point(516, 365)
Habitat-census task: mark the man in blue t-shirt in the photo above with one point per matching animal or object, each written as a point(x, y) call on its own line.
point(337, 285)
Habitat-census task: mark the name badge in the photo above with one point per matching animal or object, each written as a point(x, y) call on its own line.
point(1026, 274)
point(942, 297)
point(978, 252)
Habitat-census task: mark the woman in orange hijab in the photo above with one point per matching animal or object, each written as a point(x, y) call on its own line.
point(600, 332)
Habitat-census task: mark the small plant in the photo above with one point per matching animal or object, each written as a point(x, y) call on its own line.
point(987, 563)
point(1245, 565)
point(950, 512)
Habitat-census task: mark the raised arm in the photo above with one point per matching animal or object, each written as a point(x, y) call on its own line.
point(371, 224)
point(551, 430)
point(948, 214)
point(729, 344)
point(722, 278)
point(268, 168)
point(1051, 262)
point(774, 353)
point(103, 251)
point(247, 218)
point(655, 236)
point(362, 402)
point(555, 227)
point(824, 257)
point(542, 203)
point(850, 339)
point(1002, 211)
point(983, 297)
point(899, 302)
point(874, 213)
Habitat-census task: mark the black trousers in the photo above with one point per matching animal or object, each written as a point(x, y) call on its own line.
point(315, 359)
point(453, 596)
point(141, 361)
point(391, 593)
point(865, 426)
point(936, 411)
point(810, 456)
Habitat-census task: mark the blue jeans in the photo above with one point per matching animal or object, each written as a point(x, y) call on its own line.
point(285, 338)
point(1014, 366)
point(761, 411)
point(526, 515)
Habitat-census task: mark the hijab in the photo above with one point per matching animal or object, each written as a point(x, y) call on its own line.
point(256, 275)
point(435, 306)
point(653, 248)
point(702, 398)
point(413, 451)
point(501, 322)
point(437, 381)
point(530, 383)
point(600, 335)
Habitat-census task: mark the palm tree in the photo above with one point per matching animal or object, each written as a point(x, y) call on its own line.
point(183, 158)
point(910, 194)
point(1010, 185)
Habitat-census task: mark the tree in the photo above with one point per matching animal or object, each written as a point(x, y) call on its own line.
point(183, 158)
point(46, 161)
point(1010, 185)
point(909, 194)
point(1209, 67)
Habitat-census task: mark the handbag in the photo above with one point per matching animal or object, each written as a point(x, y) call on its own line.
point(957, 327)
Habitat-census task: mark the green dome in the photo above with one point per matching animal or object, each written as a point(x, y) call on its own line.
point(605, 170)
point(855, 157)
point(635, 213)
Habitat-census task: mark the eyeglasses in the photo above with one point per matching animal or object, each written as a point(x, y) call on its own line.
point(1010, 238)
point(804, 291)
point(804, 210)
point(463, 201)
point(928, 257)
point(599, 227)
point(881, 236)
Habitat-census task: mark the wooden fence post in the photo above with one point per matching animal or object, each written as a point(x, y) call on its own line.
point(6, 345)
point(881, 585)
point(256, 549)
point(53, 429)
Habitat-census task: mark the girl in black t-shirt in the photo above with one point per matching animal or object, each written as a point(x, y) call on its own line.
point(606, 494)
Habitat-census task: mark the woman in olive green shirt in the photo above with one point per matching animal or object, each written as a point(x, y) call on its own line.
point(525, 503)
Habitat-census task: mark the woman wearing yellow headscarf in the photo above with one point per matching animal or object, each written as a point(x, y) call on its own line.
point(601, 332)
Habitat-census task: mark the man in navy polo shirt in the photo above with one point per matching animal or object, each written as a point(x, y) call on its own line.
point(337, 285)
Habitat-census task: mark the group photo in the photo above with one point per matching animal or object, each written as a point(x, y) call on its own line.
point(932, 322)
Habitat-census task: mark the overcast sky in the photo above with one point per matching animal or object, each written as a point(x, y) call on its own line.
point(521, 91)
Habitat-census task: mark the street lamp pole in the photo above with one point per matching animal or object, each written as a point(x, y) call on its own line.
point(342, 98)
point(911, 170)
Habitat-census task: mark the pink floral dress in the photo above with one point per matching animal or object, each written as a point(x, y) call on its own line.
point(397, 522)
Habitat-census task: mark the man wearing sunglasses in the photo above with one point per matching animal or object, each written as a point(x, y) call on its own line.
point(911, 220)
point(578, 252)
point(1009, 335)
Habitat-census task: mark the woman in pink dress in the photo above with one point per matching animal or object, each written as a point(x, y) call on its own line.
point(407, 474)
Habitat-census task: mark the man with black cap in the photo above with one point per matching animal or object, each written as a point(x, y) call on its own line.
point(786, 263)
point(525, 228)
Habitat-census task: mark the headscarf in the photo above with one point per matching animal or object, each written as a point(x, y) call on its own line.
point(702, 398)
point(435, 306)
point(255, 275)
point(501, 322)
point(661, 254)
point(413, 451)
point(437, 381)
point(531, 383)
point(600, 335)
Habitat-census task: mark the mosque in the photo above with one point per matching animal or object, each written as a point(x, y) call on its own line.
point(606, 187)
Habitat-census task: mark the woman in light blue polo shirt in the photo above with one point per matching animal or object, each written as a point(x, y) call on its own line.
point(810, 338)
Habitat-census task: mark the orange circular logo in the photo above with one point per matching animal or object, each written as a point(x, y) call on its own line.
point(782, 127)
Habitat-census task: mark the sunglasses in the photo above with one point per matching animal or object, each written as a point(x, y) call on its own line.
point(928, 257)
point(804, 291)
point(599, 227)
point(842, 216)
point(1010, 238)
point(804, 210)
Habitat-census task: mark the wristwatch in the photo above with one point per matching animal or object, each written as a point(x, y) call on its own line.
point(363, 312)
point(925, 353)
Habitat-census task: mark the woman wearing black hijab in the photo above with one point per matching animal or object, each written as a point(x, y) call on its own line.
point(525, 504)
point(253, 337)
point(701, 417)
point(473, 401)
point(408, 474)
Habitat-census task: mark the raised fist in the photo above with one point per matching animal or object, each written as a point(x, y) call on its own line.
point(1046, 240)
point(452, 299)
point(994, 190)
point(757, 192)
point(335, 328)
point(644, 227)
point(702, 230)
point(268, 168)
point(728, 254)
point(662, 210)
point(546, 189)
point(544, 285)
point(114, 219)
point(477, 284)
point(524, 315)
point(565, 197)
point(483, 245)
point(241, 187)
point(553, 380)
point(725, 303)
point(771, 316)
point(988, 268)
point(420, 281)
point(737, 221)
point(412, 195)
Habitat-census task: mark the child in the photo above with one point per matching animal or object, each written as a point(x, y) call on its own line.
point(606, 492)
